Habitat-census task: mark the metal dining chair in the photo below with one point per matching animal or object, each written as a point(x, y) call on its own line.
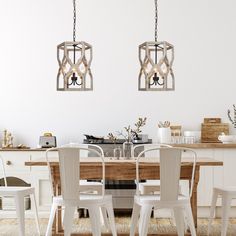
point(71, 197)
point(227, 194)
point(90, 186)
point(153, 186)
point(19, 193)
point(169, 197)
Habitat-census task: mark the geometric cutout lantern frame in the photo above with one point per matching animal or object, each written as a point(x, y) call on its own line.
point(74, 73)
point(156, 60)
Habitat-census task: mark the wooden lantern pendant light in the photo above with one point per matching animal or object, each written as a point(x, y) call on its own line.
point(156, 59)
point(74, 59)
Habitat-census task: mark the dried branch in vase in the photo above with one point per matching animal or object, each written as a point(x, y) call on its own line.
point(232, 120)
point(131, 134)
point(112, 137)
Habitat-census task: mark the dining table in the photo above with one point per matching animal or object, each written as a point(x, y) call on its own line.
point(123, 169)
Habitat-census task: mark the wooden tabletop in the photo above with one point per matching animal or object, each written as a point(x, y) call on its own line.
point(201, 161)
point(91, 167)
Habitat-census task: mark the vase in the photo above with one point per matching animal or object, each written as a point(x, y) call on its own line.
point(128, 150)
point(164, 135)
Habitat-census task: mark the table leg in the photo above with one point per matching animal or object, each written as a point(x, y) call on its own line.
point(57, 224)
point(194, 195)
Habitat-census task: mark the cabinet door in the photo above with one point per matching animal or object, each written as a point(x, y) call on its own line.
point(43, 192)
point(41, 183)
point(229, 173)
point(218, 171)
point(205, 185)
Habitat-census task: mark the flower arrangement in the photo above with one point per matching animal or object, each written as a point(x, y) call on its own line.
point(232, 120)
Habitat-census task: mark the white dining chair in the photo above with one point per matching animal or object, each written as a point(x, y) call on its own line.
point(169, 197)
point(19, 193)
point(88, 186)
point(227, 194)
point(150, 186)
point(71, 197)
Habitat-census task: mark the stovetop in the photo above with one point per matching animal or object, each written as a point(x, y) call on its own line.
point(108, 141)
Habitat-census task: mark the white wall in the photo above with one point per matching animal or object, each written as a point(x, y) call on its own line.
point(204, 35)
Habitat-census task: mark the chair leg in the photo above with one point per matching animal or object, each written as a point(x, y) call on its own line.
point(134, 218)
point(189, 215)
point(51, 219)
point(212, 210)
point(94, 216)
point(34, 205)
point(179, 220)
point(226, 202)
point(20, 211)
point(104, 219)
point(68, 219)
point(111, 218)
point(145, 215)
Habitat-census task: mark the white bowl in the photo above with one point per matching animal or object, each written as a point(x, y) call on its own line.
point(227, 138)
point(195, 134)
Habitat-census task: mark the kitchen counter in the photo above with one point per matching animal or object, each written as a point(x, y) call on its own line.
point(206, 145)
point(194, 145)
point(22, 149)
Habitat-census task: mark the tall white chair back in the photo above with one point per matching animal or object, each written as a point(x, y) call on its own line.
point(3, 171)
point(69, 164)
point(170, 167)
point(170, 164)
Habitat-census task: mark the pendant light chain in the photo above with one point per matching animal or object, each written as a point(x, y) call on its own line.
point(74, 20)
point(156, 20)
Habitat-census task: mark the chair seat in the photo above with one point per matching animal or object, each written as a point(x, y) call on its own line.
point(12, 191)
point(85, 200)
point(156, 200)
point(228, 190)
point(90, 187)
point(88, 183)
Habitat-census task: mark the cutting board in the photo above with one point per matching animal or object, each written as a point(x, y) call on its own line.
point(212, 128)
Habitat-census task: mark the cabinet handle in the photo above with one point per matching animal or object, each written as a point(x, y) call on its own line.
point(8, 163)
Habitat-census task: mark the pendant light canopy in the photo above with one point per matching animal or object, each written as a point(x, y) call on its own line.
point(156, 59)
point(74, 59)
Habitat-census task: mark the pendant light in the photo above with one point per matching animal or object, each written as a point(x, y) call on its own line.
point(74, 59)
point(156, 59)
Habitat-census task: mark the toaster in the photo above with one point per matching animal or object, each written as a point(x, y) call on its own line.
point(47, 141)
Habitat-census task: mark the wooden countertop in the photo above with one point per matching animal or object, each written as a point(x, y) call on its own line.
point(194, 145)
point(206, 145)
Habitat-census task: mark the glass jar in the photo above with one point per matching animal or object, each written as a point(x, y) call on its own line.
point(128, 150)
point(117, 153)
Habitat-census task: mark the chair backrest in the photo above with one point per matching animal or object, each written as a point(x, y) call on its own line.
point(170, 167)
point(69, 165)
point(89, 146)
point(3, 171)
point(148, 146)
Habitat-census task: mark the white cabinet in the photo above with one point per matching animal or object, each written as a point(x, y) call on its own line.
point(38, 177)
point(205, 184)
point(40, 181)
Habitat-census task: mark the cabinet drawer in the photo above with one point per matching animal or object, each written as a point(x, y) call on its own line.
point(15, 161)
